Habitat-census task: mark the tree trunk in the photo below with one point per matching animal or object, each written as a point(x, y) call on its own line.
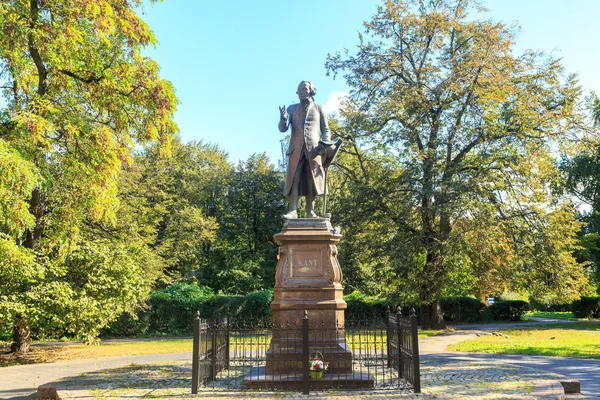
point(21, 337)
point(431, 316)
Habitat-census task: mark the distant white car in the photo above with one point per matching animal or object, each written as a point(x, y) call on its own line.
point(490, 300)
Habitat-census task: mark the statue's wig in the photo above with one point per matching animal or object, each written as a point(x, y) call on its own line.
point(311, 88)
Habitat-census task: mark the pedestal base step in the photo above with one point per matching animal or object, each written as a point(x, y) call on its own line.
point(357, 379)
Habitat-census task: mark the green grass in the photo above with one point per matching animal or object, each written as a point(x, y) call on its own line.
point(50, 353)
point(430, 332)
point(567, 315)
point(578, 340)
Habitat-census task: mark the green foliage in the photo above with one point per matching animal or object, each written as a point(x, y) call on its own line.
point(77, 295)
point(582, 182)
point(509, 310)
point(448, 166)
point(544, 305)
point(586, 307)
point(363, 307)
point(77, 96)
point(172, 310)
point(462, 309)
point(244, 256)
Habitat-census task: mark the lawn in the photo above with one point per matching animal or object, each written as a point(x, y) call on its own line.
point(567, 315)
point(50, 353)
point(42, 352)
point(578, 340)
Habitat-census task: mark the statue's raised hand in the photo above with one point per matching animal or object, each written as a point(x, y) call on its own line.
point(283, 112)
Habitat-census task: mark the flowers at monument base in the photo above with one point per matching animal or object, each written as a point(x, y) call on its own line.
point(317, 366)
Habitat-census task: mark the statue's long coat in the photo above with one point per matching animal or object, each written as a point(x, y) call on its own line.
point(307, 129)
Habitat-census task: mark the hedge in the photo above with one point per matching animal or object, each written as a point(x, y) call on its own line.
point(541, 305)
point(586, 307)
point(363, 307)
point(462, 309)
point(509, 310)
point(171, 310)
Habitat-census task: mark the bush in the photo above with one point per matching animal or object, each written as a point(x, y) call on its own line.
point(173, 308)
point(128, 325)
point(462, 309)
point(509, 310)
point(543, 305)
point(172, 311)
point(361, 306)
point(586, 307)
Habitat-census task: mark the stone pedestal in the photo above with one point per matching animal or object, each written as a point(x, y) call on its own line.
point(308, 277)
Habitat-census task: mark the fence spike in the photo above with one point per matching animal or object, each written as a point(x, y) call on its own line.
point(305, 314)
point(197, 315)
point(399, 310)
point(412, 312)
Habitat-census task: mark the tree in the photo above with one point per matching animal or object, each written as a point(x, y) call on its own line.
point(182, 195)
point(77, 96)
point(244, 257)
point(582, 174)
point(465, 126)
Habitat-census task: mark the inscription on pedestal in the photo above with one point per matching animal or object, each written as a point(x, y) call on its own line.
point(307, 264)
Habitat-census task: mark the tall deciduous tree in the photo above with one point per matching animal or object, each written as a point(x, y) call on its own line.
point(466, 128)
point(77, 94)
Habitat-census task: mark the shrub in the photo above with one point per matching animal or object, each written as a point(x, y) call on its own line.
point(544, 305)
point(172, 311)
point(509, 310)
point(128, 325)
point(173, 308)
point(586, 307)
point(361, 306)
point(462, 309)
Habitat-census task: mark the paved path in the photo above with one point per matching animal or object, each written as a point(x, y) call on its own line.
point(22, 380)
point(587, 371)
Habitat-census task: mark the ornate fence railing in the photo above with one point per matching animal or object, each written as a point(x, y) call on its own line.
point(371, 353)
point(403, 346)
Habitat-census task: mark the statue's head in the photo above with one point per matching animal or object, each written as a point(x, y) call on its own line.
point(306, 90)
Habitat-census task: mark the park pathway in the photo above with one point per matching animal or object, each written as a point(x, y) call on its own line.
point(22, 380)
point(586, 371)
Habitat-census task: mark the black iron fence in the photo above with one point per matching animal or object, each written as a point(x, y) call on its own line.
point(374, 353)
point(403, 346)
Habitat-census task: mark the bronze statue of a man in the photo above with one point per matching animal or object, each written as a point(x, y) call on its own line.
point(305, 173)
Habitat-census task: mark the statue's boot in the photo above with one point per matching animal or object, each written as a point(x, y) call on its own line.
point(290, 215)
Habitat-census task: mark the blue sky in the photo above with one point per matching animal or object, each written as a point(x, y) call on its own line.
point(233, 62)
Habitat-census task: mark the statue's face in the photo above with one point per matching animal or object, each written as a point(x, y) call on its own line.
point(303, 91)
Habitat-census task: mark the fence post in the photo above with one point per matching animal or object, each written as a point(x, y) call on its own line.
point(305, 356)
point(389, 335)
point(213, 353)
point(400, 339)
point(196, 353)
point(227, 340)
point(415, 350)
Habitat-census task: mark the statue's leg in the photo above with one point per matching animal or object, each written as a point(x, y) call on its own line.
point(295, 189)
point(310, 195)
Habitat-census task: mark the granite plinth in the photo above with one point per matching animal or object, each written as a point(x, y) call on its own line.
point(354, 379)
point(308, 277)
